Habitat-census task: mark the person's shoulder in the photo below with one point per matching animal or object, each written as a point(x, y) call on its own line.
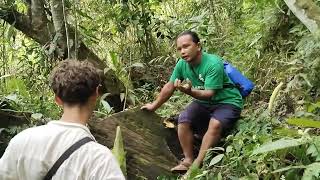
point(31, 131)
point(99, 149)
point(213, 61)
point(25, 135)
point(180, 62)
point(102, 162)
point(98, 153)
point(212, 57)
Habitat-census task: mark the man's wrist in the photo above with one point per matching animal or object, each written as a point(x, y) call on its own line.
point(190, 92)
point(155, 105)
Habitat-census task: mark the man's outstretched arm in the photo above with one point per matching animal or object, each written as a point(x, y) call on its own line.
point(165, 93)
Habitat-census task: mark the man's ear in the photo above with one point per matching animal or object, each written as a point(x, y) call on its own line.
point(95, 95)
point(97, 91)
point(199, 46)
point(58, 100)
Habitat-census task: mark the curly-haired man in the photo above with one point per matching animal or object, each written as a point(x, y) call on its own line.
point(33, 154)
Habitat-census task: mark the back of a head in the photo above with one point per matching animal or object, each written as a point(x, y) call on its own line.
point(74, 81)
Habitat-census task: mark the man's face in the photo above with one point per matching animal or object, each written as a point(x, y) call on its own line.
point(187, 49)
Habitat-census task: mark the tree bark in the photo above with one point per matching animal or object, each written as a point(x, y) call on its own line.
point(38, 16)
point(151, 149)
point(8, 118)
point(307, 12)
point(60, 30)
point(36, 26)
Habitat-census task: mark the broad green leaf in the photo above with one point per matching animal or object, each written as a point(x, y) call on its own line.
point(137, 65)
point(105, 95)
point(17, 84)
point(273, 96)
point(216, 159)
point(118, 150)
point(36, 116)
point(279, 144)
point(12, 97)
point(312, 171)
point(122, 95)
point(203, 174)
point(314, 148)
point(106, 106)
point(229, 149)
point(113, 58)
point(1, 129)
point(194, 171)
point(304, 122)
point(286, 132)
point(132, 99)
point(220, 176)
point(313, 107)
point(288, 168)
point(216, 149)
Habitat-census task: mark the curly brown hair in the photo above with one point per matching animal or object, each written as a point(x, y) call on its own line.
point(74, 81)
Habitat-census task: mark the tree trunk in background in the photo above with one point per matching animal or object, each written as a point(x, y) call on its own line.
point(150, 147)
point(52, 36)
point(59, 27)
point(8, 118)
point(307, 12)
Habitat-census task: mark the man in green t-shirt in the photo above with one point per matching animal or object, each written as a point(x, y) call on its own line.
point(216, 106)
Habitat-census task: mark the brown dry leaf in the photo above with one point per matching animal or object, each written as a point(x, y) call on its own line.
point(168, 124)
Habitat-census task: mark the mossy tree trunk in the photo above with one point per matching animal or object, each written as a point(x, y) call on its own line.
point(307, 12)
point(148, 143)
point(53, 36)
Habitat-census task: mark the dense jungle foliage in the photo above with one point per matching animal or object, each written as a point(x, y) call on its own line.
point(277, 136)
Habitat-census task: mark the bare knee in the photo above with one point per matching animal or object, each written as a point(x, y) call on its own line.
point(214, 128)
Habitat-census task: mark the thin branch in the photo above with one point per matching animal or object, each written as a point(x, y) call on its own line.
point(76, 29)
point(66, 27)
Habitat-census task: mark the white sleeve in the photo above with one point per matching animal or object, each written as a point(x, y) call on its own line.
point(8, 162)
point(106, 168)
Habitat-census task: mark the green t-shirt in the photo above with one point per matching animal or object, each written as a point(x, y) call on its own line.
point(209, 74)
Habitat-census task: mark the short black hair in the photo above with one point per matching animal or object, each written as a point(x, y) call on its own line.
point(194, 35)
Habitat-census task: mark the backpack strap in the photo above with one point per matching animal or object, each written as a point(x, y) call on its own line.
point(65, 156)
point(230, 85)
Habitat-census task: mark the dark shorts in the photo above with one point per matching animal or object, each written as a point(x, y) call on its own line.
point(199, 115)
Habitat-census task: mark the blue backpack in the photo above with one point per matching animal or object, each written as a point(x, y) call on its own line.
point(241, 82)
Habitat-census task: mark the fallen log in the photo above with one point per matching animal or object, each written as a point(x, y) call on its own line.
point(10, 118)
point(151, 149)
